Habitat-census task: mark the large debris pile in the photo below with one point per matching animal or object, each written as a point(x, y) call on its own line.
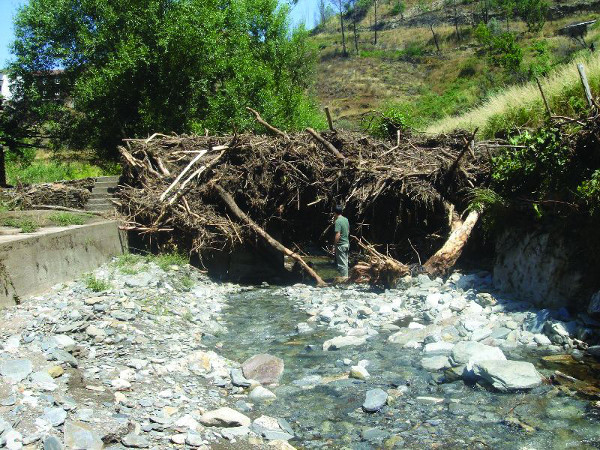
point(178, 186)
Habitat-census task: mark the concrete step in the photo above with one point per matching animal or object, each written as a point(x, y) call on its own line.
point(99, 207)
point(106, 190)
point(108, 179)
point(100, 201)
point(101, 184)
point(102, 195)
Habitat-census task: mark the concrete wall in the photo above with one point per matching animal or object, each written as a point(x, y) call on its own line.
point(540, 267)
point(32, 263)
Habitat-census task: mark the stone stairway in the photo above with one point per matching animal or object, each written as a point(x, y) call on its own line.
point(102, 194)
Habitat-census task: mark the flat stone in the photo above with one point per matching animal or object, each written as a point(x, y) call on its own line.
point(52, 443)
point(55, 416)
point(375, 399)
point(261, 394)
point(270, 428)
point(95, 332)
point(264, 368)
point(343, 341)
point(374, 435)
point(480, 334)
point(63, 356)
point(500, 333)
point(224, 417)
point(79, 436)
point(43, 381)
point(135, 441)
point(15, 370)
point(435, 363)
point(64, 341)
point(508, 375)
point(238, 379)
point(438, 348)
point(471, 351)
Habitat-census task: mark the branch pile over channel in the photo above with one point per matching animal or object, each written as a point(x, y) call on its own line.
point(291, 183)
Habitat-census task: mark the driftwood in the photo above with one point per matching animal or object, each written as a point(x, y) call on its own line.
point(328, 145)
point(242, 216)
point(445, 258)
point(381, 270)
point(267, 125)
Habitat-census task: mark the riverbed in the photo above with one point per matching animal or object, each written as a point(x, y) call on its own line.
point(139, 355)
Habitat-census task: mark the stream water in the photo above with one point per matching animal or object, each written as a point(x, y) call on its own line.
point(323, 405)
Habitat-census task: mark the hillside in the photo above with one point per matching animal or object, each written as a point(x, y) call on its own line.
point(406, 72)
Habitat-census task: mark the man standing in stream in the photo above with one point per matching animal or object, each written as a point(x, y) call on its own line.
point(341, 241)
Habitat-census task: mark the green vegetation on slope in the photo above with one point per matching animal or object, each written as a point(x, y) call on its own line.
point(522, 105)
point(427, 78)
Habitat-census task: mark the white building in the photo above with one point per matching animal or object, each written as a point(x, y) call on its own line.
point(5, 86)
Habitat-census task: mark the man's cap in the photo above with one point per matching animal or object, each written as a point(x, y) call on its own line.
point(338, 209)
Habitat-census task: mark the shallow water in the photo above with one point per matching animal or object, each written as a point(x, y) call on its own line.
point(325, 409)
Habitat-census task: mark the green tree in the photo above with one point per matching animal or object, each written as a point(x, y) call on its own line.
point(533, 13)
point(133, 67)
point(508, 9)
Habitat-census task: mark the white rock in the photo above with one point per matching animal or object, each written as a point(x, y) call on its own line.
point(359, 372)
point(224, 417)
point(261, 394)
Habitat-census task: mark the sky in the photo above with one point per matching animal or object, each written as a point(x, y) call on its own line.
point(8, 8)
point(303, 12)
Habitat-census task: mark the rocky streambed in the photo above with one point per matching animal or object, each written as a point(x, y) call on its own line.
point(165, 358)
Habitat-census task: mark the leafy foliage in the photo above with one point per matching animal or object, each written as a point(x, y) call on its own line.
point(133, 68)
point(501, 47)
point(589, 190)
point(533, 13)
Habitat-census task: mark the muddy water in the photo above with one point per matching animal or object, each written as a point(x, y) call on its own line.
point(323, 406)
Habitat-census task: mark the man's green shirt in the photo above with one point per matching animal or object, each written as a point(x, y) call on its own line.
point(342, 226)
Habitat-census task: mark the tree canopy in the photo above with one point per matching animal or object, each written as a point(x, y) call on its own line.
point(133, 67)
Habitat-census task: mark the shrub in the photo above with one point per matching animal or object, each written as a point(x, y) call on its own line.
point(96, 284)
point(26, 224)
point(65, 219)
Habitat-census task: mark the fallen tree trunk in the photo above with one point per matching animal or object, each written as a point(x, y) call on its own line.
point(381, 270)
point(241, 215)
point(445, 258)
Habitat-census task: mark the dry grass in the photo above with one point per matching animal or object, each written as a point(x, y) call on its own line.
point(522, 106)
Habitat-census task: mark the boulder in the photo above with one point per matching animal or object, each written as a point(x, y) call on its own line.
point(264, 368)
point(508, 375)
point(224, 417)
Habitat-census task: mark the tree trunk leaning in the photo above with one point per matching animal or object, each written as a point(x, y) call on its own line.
point(242, 216)
point(445, 258)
